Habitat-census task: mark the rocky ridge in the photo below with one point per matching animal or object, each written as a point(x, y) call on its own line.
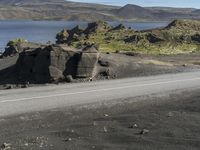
point(180, 36)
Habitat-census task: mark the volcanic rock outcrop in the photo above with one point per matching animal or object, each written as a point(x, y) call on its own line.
point(53, 63)
point(180, 36)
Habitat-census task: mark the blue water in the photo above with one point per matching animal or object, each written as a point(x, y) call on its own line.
point(44, 31)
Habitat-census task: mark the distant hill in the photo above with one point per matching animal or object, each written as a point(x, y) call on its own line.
point(156, 13)
point(133, 11)
point(67, 10)
point(196, 11)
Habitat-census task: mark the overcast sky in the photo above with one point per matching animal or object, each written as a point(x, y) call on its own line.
point(170, 3)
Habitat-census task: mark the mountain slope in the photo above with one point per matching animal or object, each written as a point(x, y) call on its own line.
point(156, 13)
point(133, 11)
point(22, 2)
point(67, 10)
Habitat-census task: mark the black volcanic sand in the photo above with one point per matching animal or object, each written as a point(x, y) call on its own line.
point(171, 122)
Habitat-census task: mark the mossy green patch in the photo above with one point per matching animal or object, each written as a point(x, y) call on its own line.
point(177, 37)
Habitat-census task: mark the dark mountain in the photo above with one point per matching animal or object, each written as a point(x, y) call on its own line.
point(133, 11)
point(156, 13)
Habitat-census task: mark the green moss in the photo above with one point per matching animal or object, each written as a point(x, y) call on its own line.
point(173, 39)
point(16, 41)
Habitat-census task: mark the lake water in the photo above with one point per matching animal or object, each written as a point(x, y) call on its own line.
point(44, 31)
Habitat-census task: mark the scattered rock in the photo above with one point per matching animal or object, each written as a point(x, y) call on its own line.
point(95, 123)
point(62, 37)
point(69, 78)
point(19, 45)
point(170, 114)
point(6, 146)
point(144, 131)
point(25, 85)
point(196, 38)
point(104, 63)
point(185, 24)
point(184, 65)
point(131, 54)
point(133, 126)
point(91, 48)
point(8, 86)
point(106, 115)
point(153, 38)
point(134, 38)
point(99, 26)
point(105, 129)
point(117, 51)
point(68, 139)
point(119, 27)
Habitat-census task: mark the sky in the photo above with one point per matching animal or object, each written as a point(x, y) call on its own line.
point(166, 3)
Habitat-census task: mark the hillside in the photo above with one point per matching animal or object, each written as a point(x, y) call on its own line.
point(67, 10)
point(180, 36)
point(22, 2)
point(133, 11)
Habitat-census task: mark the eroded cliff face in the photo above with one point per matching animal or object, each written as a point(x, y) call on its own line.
point(54, 63)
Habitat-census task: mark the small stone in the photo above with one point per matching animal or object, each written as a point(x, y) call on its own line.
point(117, 51)
point(144, 131)
point(104, 63)
point(184, 65)
point(170, 114)
point(105, 129)
point(133, 126)
point(24, 86)
point(106, 115)
point(95, 123)
point(69, 78)
point(68, 140)
point(93, 147)
point(5, 146)
point(8, 87)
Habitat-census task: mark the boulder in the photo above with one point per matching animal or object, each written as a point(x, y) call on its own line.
point(196, 38)
point(16, 47)
point(62, 37)
point(76, 30)
point(33, 66)
point(134, 39)
point(55, 73)
point(54, 63)
point(185, 24)
point(119, 27)
point(185, 38)
point(99, 26)
point(88, 61)
point(154, 38)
